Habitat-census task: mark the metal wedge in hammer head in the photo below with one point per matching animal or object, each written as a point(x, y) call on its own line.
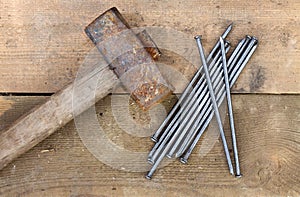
point(130, 56)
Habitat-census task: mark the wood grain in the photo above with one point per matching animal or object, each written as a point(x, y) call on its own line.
point(42, 43)
point(268, 139)
point(43, 120)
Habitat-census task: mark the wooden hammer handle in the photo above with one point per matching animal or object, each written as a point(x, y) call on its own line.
point(42, 121)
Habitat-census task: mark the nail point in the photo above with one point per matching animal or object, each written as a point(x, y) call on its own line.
point(230, 26)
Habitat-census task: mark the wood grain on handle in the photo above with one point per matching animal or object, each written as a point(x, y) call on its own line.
point(42, 121)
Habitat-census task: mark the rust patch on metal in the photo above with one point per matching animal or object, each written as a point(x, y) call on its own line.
point(149, 44)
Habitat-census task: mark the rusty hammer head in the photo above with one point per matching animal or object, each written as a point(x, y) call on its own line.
point(130, 56)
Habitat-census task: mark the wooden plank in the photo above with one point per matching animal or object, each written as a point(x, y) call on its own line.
point(43, 44)
point(12, 108)
point(267, 133)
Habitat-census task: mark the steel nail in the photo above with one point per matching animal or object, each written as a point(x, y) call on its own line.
point(231, 118)
point(213, 99)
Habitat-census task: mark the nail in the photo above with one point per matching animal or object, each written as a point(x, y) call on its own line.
point(229, 103)
point(213, 100)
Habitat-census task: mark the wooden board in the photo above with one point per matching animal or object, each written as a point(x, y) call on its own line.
point(42, 43)
point(267, 133)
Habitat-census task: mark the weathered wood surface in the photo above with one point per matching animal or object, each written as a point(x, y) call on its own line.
point(267, 133)
point(40, 122)
point(43, 44)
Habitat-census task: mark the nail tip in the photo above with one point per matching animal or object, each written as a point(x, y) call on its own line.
point(228, 29)
point(230, 26)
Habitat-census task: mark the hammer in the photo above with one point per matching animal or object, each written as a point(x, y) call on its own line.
point(129, 60)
